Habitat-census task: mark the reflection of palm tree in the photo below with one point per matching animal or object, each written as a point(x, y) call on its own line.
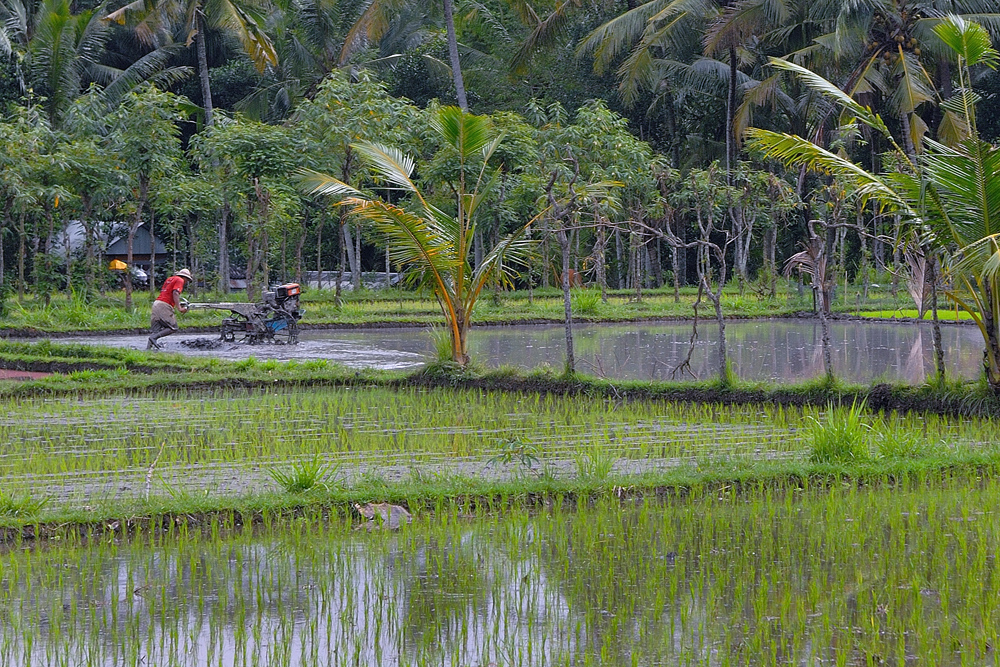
point(914, 370)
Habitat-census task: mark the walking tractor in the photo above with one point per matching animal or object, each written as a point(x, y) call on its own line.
point(275, 320)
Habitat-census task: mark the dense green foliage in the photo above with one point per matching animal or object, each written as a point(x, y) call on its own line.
point(654, 97)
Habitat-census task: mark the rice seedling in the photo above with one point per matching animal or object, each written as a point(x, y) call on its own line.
point(76, 448)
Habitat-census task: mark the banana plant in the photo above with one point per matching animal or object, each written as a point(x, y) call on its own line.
point(949, 193)
point(436, 245)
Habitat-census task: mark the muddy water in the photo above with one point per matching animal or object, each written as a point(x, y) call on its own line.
point(783, 350)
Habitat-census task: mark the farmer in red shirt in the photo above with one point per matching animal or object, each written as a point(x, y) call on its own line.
point(163, 321)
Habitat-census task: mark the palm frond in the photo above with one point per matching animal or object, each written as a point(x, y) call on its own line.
point(610, 40)
point(515, 249)
point(968, 39)
point(912, 87)
point(313, 182)
point(543, 34)
point(980, 258)
point(830, 91)
point(370, 26)
point(389, 162)
point(467, 133)
point(413, 242)
point(248, 27)
point(143, 69)
point(795, 151)
point(966, 177)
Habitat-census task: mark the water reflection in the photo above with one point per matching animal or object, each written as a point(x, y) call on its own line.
point(804, 580)
point(780, 350)
point(783, 350)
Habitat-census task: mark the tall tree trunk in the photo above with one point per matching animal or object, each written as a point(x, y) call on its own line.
point(224, 249)
point(129, 243)
point(319, 252)
point(675, 139)
point(388, 268)
point(456, 65)
point(284, 255)
point(342, 242)
point(676, 249)
point(770, 241)
point(635, 256)
point(545, 254)
point(824, 324)
point(22, 239)
point(151, 283)
point(206, 87)
point(192, 259)
point(299, 245)
point(731, 117)
point(599, 254)
point(3, 267)
point(564, 244)
point(356, 277)
point(130, 240)
point(352, 259)
point(619, 260)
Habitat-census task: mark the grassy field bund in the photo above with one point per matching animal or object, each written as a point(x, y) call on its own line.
point(397, 308)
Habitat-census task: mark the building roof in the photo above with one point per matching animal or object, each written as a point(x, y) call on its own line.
point(140, 245)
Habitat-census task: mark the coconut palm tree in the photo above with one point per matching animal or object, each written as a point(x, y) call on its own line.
point(375, 22)
point(243, 18)
point(435, 244)
point(59, 54)
point(950, 193)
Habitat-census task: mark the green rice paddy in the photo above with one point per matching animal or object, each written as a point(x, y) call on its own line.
point(83, 450)
point(797, 575)
point(896, 570)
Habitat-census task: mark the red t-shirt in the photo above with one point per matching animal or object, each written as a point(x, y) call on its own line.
point(169, 285)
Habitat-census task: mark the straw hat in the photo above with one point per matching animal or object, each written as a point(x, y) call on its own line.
point(184, 273)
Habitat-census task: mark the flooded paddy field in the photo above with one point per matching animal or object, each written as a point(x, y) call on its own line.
point(82, 452)
point(777, 350)
point(800, 576)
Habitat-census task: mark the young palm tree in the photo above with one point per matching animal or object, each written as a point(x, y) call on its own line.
point(437, 245)
point(951, 193)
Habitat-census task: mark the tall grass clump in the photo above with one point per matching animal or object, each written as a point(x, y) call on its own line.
point(586, 301)
point(306, 475)
point(17, 505)
point(442, 344)
point(841, 436)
